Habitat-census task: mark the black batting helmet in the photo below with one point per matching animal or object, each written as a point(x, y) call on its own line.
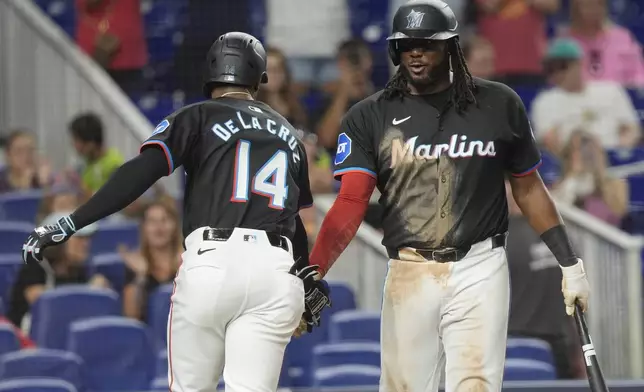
point(237, 59)
point(421, 19)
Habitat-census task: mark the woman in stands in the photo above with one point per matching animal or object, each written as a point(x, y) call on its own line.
point(23, 171)
point(157, 260)
point(586, 184)
point(611, 51)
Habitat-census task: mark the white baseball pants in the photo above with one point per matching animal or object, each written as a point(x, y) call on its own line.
point(445, 315)
point(234, 310)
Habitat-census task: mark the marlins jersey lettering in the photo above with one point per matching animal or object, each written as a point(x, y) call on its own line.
point(245, 166)
point(441, 174)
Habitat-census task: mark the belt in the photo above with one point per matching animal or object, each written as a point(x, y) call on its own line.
point(275, 240)
point(446, 255)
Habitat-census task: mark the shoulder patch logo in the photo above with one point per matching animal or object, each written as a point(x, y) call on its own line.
point(344, 148)
point(163, 125)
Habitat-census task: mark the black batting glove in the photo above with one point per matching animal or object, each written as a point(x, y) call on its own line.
point(316, 295)
point(45, 236)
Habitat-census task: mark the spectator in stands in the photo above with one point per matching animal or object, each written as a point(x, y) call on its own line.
point(479, 54)
point(320, 170)
point(601, 108)
point(308, 32)
point(100, 162)
point(57, 199)
point(278, 92)
point(157, 260)
point(24, 169)
point(65, 265)
point(586, 184)
point(611, 51)
point(355, 63)
point(535, 278)
point(111, 31)
point(517, 30)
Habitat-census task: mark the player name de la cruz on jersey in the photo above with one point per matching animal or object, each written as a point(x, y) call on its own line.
point(225, 129)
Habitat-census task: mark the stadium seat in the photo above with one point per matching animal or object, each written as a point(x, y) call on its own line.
point(625, 156)
point(56, 309)
point(36, 385)
point(155, 106)
point(42, 363)
point(158, 310)
point(354, 325)
point(299, 353)
point(636, 193)
point(111, 266)
point(528, 370)
point(161, 367)
point(159, 384)
point(342, 297)
point(335, 354)
point(110, 235)
point(529, 348)
point(347, 376)
point(10, 264)
point(8, 340)
point(20, 206)
point(118, 353)
point(13, 234)
point(62, 12)
point(1, 307)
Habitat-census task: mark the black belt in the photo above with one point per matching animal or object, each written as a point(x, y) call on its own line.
point(276, 240)
point(445, 255)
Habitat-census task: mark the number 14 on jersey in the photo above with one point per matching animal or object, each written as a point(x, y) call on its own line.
point(269, 181)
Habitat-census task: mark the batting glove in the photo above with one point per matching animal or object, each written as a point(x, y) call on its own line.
point(575, 287)
point(45, 236)
point(316, 295)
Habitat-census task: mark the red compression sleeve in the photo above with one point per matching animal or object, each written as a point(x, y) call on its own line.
point(343, 219)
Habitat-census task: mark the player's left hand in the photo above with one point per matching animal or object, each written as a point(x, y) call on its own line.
point(316, 298)
point(45, 236)
point(575, 287)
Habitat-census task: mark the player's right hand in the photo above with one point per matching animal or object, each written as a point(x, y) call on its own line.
point(45, 236)
point(575, 287)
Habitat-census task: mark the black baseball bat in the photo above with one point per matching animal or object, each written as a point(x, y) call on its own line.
point(593, 371)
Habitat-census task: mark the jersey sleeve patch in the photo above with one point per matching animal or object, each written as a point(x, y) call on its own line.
point(163, 125)
point(344, 148)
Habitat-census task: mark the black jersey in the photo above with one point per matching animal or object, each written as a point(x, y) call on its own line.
point(244, 164)
point(441, 176)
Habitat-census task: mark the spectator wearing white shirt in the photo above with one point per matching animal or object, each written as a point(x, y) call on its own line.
point(308, 32)
point(600, 108)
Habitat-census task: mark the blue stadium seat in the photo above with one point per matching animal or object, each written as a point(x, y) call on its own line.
point(10, 264)
point(624, 156)
point(347, 376)
point(342, 297)
point(529, 348)
point(636, 193)
point(117, 351)
point(110, 265)
point(528, 370)
point(355, 325)
point(36, 385)
point(334, 354)
point(159, 384)
point(62, 12)
point(1, 307)
point(637, 97)
point(112, 234)
point(56, 309)
point(162, 15)
point(155, 106)
point(161, 367)
point(13, 234)
point(550, 169)
point(8, 340)
point(20, 206)
point(299, 353)
point(42, 363)
point(158, 310)
point(162, 47)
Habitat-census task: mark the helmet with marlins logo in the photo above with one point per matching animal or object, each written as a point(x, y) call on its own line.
point(421, 19)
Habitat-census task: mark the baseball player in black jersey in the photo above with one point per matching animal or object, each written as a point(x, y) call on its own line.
point(235, 301)
point(438, 144)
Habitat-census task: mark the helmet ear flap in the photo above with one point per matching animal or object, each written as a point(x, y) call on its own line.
point(394, 54)
point(264, 78)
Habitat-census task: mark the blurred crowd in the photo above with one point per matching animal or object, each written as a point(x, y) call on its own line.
point(572, 59)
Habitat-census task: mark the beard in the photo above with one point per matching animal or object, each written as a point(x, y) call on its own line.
point(437, 74)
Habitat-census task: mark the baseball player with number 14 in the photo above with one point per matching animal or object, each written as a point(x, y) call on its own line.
point(438, 144)
point(236, 300)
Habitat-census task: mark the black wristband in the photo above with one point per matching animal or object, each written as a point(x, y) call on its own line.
point(556, 239)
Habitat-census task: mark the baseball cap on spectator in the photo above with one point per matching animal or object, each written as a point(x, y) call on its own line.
point(53, 218)
point(564, 49)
